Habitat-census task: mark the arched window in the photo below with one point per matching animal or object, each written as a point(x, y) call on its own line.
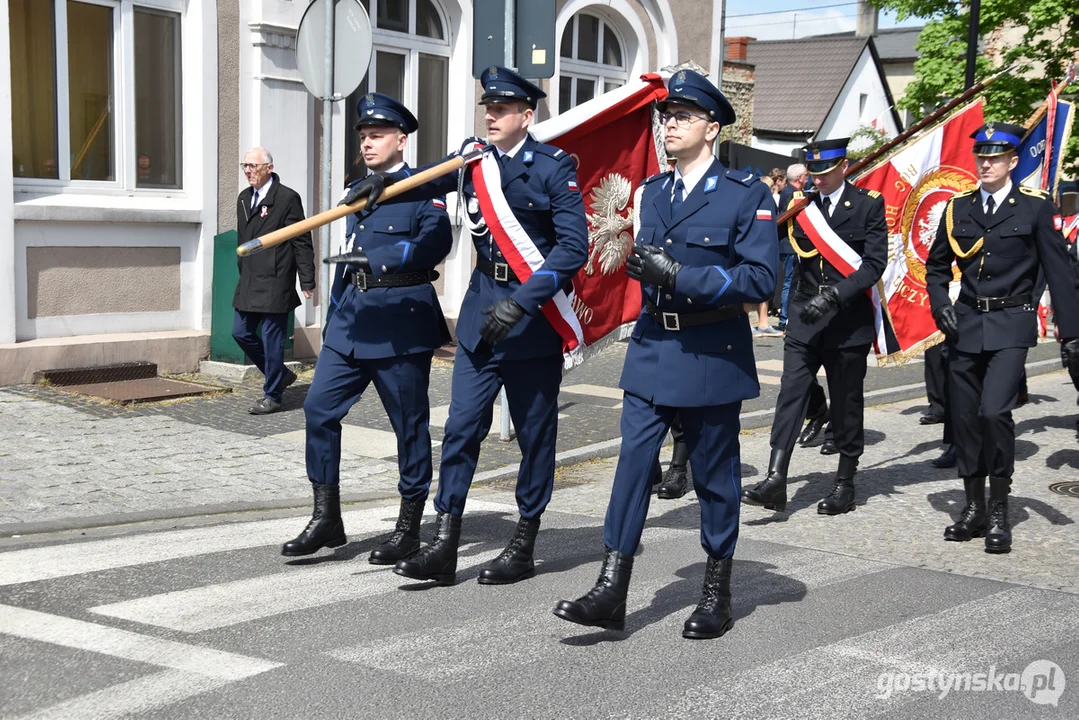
point(410, 62)
point(593, 60)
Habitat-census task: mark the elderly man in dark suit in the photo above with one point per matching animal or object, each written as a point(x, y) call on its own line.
point(266, 293)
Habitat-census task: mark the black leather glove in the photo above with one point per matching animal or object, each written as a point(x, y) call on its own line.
point(371, 187)
point(820, 306)
point(947, 322)
point(356, 259)
point(1069, 354)
point(652, 266)
point(501, 317)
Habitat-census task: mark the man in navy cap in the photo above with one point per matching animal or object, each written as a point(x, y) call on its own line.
point(383, 326)
point(706, 245)
point(841, 240)
point(999, 235)
point(526, 216)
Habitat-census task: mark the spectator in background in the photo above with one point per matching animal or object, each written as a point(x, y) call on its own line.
point(779, 181)
point(796, 182)
point(266, 293)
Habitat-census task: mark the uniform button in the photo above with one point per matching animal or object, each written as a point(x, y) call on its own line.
point(707, 240)
point(361, 227)
point(412, 309)
point(729, 347)
point(529, 204)
point(667, 296)
point(498, 254)
point(359, 249)
point(390, 227)
point(988, 254)
point(689, 301)
point(383, 268)
point(668, 241)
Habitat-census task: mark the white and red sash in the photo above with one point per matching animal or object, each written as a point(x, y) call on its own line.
point(843, 258)
point(517, 247)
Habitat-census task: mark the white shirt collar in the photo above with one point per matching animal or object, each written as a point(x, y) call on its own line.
point(834, 197)
point(516, 148)
point(395, 168)
point(693, 177)
point(998, 196)
point(261, 192)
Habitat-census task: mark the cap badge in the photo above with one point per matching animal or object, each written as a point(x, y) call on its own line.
point(369, 99)
point(989, 130)
point(493, 72)
point(680, 76)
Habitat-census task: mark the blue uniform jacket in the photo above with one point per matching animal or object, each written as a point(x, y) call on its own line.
point(725, 237)
point(387, 322)
point(540, 185)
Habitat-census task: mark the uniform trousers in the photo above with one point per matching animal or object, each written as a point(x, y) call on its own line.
point(532, 391)
point(401, 383)
point(267, 352)
point(984, 390)
point(711, 435)
point(937, 386)
point(845, 369)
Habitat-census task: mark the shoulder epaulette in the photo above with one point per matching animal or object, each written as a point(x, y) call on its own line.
point(653, 178)
point(741, 177)
point(798, 195)
point(965, 193)
point(873, 193)
point(1034, 192)
point(550, 151)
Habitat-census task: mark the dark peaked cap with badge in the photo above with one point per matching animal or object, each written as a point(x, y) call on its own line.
point(379, 109)
point(503, 85)
point(823, 155)
point(687, 87)
point(996, 138)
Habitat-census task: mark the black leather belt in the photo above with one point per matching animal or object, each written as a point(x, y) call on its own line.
point(810, 289)
point(679, 321)
point(989, 304)
point(500, 271)
point(363, 281)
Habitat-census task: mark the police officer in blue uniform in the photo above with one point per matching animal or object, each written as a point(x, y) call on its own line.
point(831, 324)
point(706, 246)
point(503, 336)
point(383, 326)
point(999, 235)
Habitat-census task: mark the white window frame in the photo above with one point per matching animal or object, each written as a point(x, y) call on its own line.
point(123, 93)
point(571, 69)
point(411, 46)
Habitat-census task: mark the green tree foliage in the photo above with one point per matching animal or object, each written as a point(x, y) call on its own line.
point(1046, 42)
point(864, 140)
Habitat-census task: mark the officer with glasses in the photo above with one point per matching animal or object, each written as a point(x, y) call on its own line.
point(706, 246)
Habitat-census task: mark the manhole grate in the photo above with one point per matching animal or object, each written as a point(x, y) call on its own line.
point(126, 392)
point(1070, 488)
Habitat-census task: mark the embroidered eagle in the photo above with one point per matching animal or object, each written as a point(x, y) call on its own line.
point(608, 240)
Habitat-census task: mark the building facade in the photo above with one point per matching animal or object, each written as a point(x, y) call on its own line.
point(108, 255)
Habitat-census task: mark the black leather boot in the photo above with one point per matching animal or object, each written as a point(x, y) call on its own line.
point(405, 539)
point(771, 492)
point(841, 499)
point(973, 521)
point(515, 563)
point(325, 528)
point(998, 539)
point(605, 604)
point(676, 480)
point(712, 618)
point(437, 561)
point(814, 425)
point(949, 460)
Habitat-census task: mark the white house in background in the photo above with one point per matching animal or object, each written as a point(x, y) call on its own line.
point(125, 121)
point(815, 88)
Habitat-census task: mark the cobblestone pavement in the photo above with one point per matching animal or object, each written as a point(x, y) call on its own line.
point(904, 503)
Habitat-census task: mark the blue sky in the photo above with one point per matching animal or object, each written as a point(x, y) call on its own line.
point(790, 18)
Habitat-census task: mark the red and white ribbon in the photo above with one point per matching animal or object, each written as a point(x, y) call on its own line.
point(520, 252)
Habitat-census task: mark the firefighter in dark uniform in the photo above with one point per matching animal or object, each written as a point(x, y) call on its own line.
point(706, 245)
point(503, 335)
point(831, 324)
point(383, 326)
point(998, 235)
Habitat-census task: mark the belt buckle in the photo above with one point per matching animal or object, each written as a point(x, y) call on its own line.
point(821, 288)
point(983, 303)
point(670, 321)
point(361, 280)
point(502, 272)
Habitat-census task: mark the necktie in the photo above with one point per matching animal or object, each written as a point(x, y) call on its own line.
point(827, 204)
point(254, 199)
point(676, 200)
point(503, 161)
point(990, 206)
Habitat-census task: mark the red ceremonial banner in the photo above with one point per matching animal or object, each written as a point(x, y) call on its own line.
point(611, 139)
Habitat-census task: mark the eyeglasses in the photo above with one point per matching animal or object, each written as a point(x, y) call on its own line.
point(252, 166)
point(682, 118)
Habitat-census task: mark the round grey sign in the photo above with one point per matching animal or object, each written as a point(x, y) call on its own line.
point(351, 47)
